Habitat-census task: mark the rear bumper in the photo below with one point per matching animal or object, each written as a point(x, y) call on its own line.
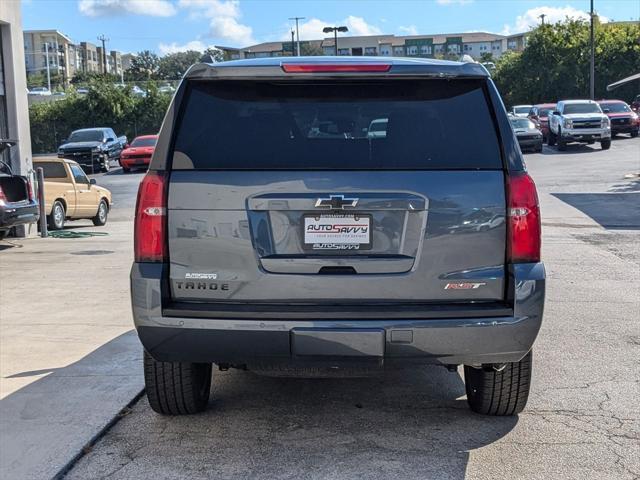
point(12, 215)
point(256, 341)
point(530, 142)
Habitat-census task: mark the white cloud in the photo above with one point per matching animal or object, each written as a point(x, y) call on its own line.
point(196, 45)
point(408, 30)
point(531, 18)
point(454, 2)
point(312, 29)
point(224, 19)
point(100, 8)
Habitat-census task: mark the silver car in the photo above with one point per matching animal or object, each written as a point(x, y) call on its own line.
point(275, 233)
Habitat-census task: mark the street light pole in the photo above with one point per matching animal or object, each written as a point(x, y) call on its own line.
point(293, 42)
point(297, 32)
point(335, 31)
point(46, 49)
point(592, 69)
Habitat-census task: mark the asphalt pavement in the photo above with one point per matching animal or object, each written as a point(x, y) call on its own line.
point(583, 416)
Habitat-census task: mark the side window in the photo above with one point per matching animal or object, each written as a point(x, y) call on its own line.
point(111, 134)
point(78, 175)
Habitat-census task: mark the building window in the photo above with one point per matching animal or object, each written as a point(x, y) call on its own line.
point(425, 49)
point(412, 50)
point(453, 48)
point(370, 51)
point(512, 44)
point(385, 51)
point(438, 48)
point(328, 50)
point(343, 51)
point(398, 51)
point(467, 47)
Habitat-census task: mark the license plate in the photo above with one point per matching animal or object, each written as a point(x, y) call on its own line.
point(337, 232)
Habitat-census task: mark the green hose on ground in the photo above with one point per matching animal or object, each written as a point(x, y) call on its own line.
point(74, 234)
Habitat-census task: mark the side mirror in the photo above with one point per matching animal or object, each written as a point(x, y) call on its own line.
point(63, 141)
point(92, 181)
point(126, 145)
point(556, 112)
point(111, 139)
point(606, 110)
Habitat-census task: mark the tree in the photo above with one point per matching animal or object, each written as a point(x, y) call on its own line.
point(486, 57)
point(210, 53)
point(144, 66)
point(555, 63)
point(311, 50)
point(174, 65)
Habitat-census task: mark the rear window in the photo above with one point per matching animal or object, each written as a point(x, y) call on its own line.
point(402, 124)
point(52, 169)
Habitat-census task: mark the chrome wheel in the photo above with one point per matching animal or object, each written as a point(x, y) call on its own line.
point(102, 212)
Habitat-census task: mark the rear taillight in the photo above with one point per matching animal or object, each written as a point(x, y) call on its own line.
point(3, 197)
point(524, 220)
point(335, 67)
point(32, 197)
point(149, 235)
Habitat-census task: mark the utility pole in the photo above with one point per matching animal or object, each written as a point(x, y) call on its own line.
point(46, 50)
point(541, 17)
point(297, 31)
point(293, 43)
point(104, 39)
point(592, 70)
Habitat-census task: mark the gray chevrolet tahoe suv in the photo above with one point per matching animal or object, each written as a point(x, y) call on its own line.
point(274, 233)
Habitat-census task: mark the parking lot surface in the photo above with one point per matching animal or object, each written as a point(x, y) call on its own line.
point(582, 420)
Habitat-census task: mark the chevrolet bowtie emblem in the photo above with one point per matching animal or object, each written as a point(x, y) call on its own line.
point(336, 202)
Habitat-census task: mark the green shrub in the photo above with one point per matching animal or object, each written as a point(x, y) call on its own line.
point(106, 105)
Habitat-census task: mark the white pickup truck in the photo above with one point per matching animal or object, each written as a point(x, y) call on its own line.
point(579, 121)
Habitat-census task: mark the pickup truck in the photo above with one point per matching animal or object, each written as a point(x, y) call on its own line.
point(579, 121)
point(18, 205)
point(93, 148)
point(70, 195)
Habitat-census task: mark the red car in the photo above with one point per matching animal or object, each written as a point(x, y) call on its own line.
point(623, 119)
point(138, 153)
point(539, 115)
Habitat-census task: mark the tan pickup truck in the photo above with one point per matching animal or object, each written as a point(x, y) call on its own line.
point(70, 195)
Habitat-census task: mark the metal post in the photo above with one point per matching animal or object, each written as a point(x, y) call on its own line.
point(43, 213)
point(46, 49)
point(592, 71)
point(335, 41)
point(293, 44)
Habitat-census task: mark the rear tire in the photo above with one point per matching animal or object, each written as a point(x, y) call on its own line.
point(605, 144)
point(126, 170)
point(634, 133)
point(502, 393)
point(176, 388)
point(56, 218)
point(101, 216)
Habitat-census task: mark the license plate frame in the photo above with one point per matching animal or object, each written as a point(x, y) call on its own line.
point(336, 244)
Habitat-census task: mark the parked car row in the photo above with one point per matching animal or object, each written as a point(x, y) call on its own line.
point(573, 121)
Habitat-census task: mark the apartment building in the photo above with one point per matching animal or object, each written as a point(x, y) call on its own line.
point(53, 46)
point(126, 59)
point(89, 60)
point(454, 45)
point(115, 62)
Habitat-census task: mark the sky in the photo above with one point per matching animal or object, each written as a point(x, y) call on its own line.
point(166, 26)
